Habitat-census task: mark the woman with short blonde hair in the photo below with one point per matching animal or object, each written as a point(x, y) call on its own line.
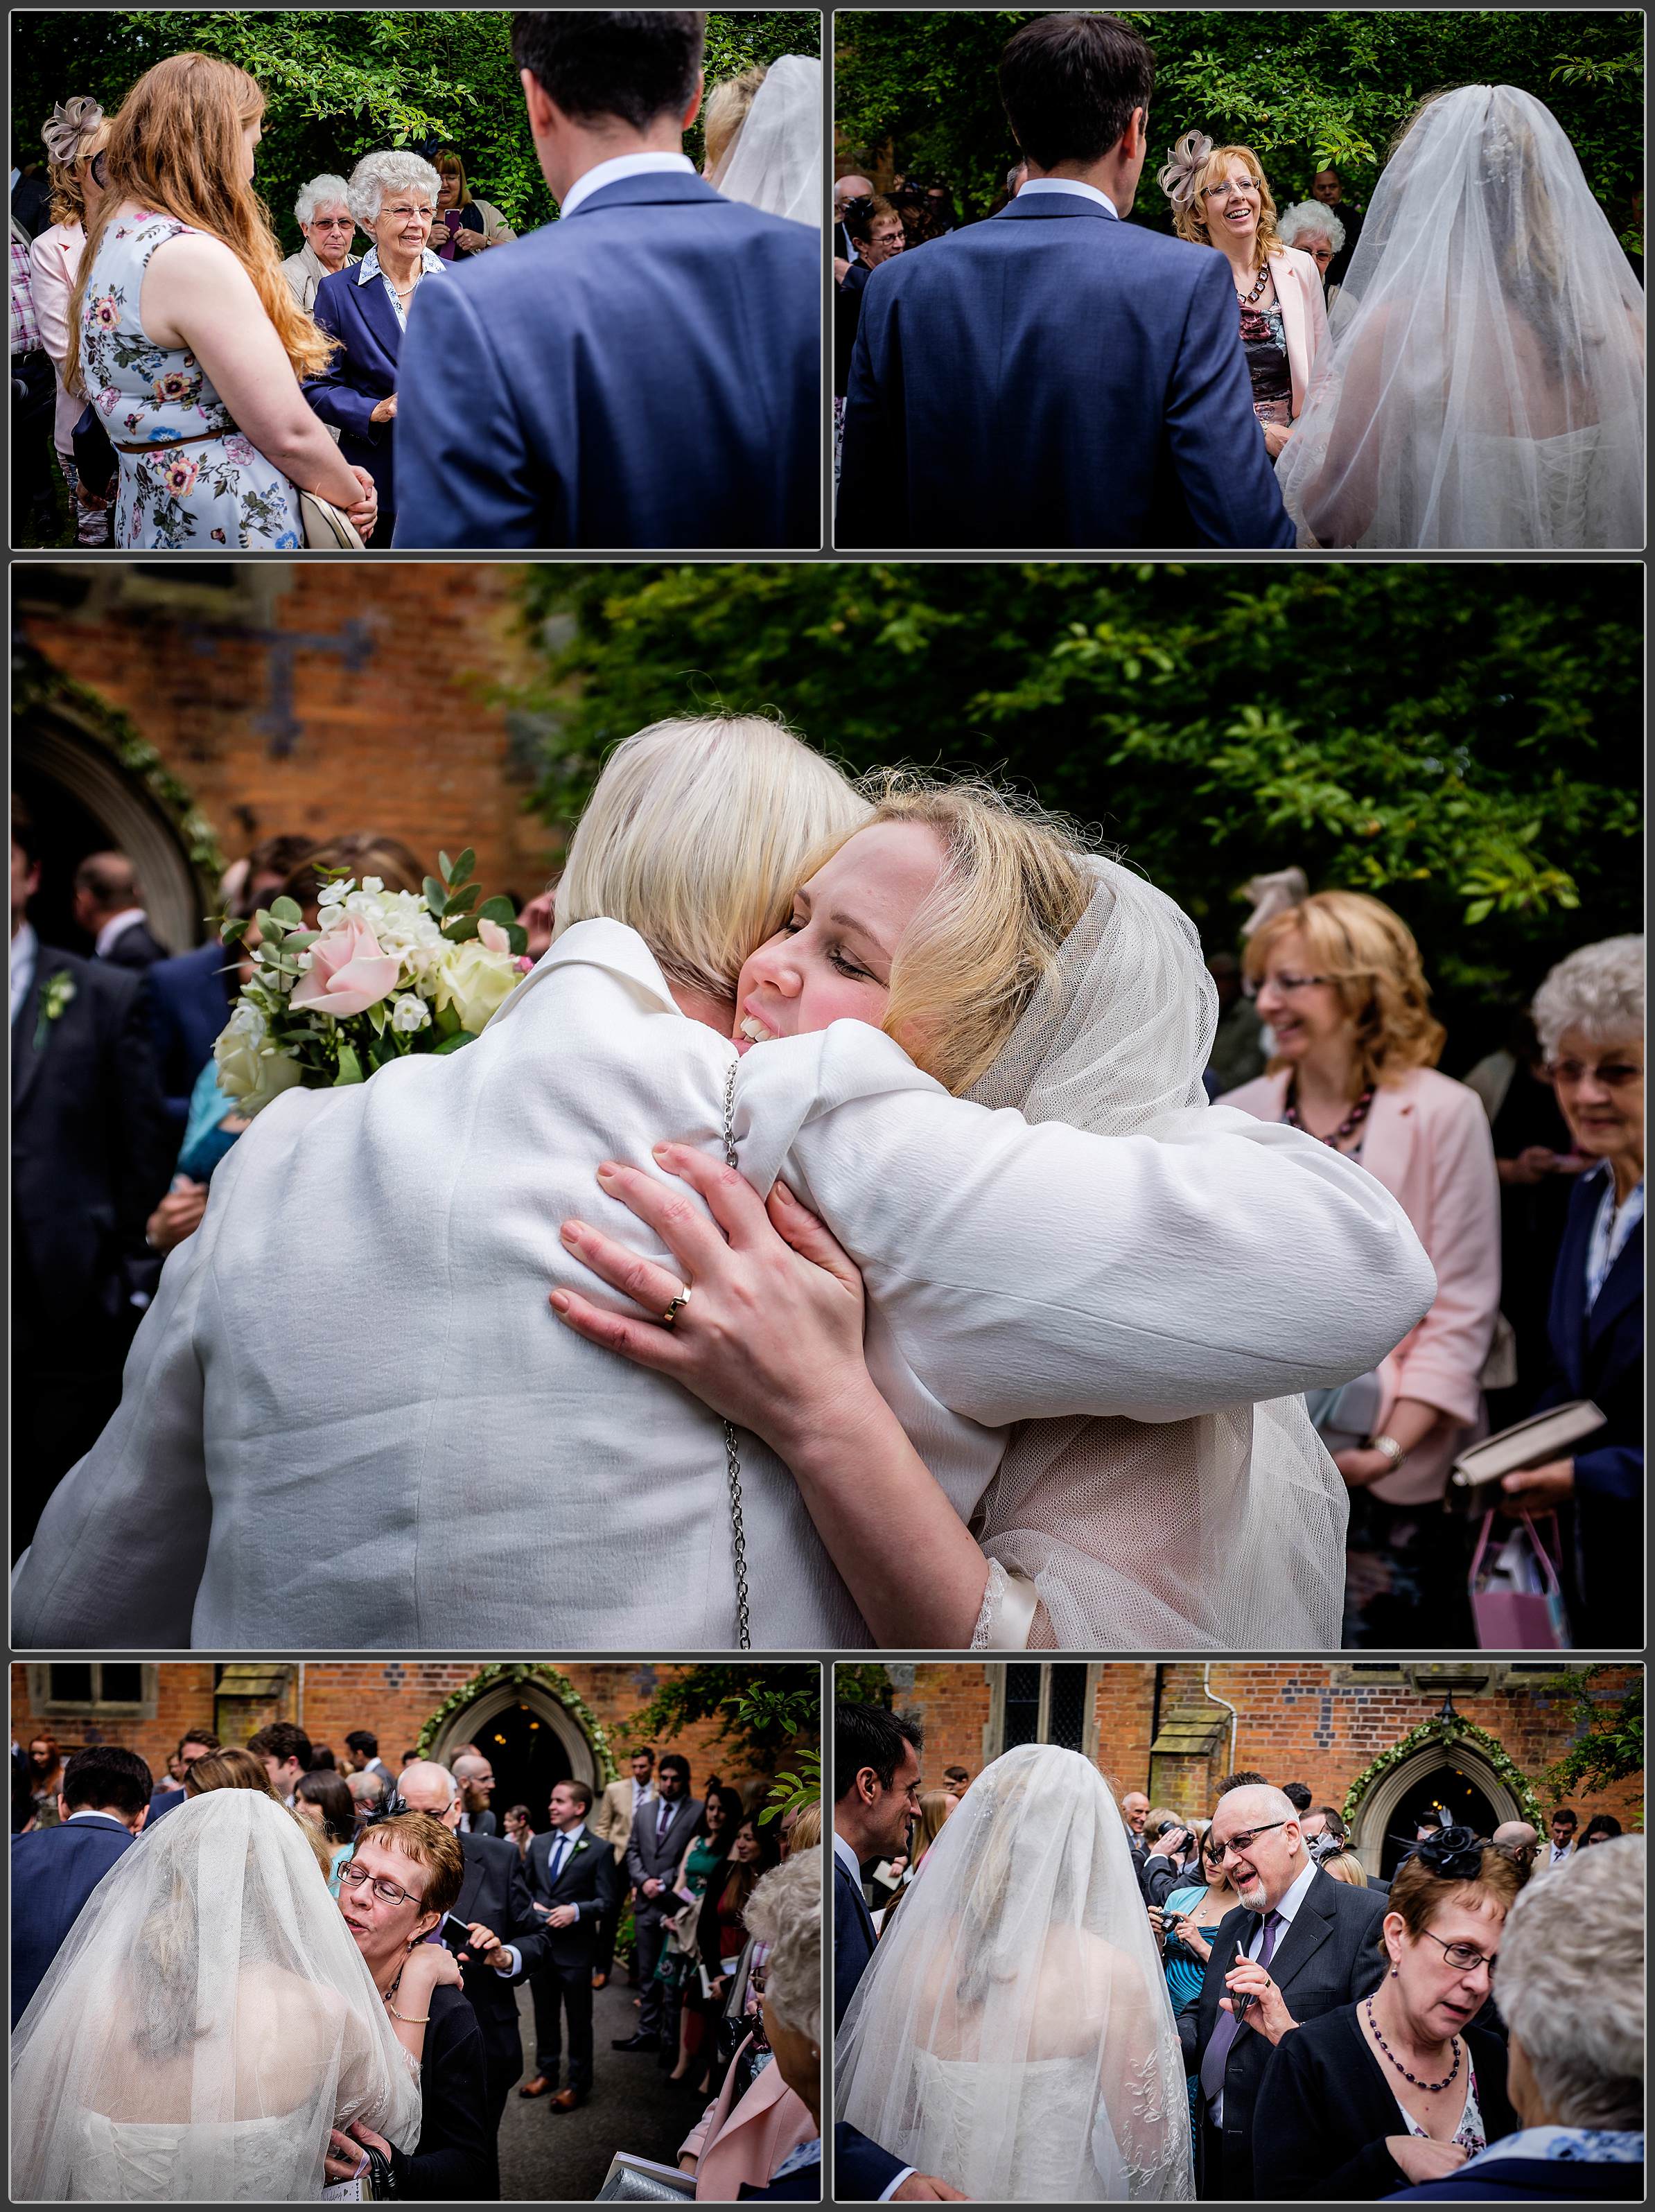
point(190, 344)
point(1342, 989)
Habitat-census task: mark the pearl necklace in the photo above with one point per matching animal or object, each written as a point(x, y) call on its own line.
point(1431, 2088)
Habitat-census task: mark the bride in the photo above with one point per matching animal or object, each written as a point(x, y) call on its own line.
point(771, 157)
point(205, 2025)
point(1012, 2031)
point(365, 1298)
point(1484, 384)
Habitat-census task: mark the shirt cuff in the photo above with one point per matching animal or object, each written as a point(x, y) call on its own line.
point(516, 1957)
point(894, 2185)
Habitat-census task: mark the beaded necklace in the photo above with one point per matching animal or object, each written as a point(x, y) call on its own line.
point(1431, 2088)
point(1352, 1122)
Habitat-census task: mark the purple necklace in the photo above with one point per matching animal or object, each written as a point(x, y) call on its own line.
point(1352, 1122)
point(1430, 2088)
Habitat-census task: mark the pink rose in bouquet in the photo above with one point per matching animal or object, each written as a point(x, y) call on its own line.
point(348, 972)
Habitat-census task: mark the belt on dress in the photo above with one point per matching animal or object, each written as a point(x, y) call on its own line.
point(166, 445)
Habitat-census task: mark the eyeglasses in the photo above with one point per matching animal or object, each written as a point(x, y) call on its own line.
point(1245, 1840)
point(1465, 1957)
point(1288, 986)
point(333, 222)
point(1613, 1074)
point(101, 169)
point(352, 1876)
point(1235, 184)
point(403, 211)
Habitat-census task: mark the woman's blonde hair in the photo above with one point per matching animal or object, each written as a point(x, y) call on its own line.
point(1189, 221)
point(234, 1767)
point(697, 836)
point(1346, 1867)
point(806, 1830)
point(175, 147)
point(1368, 954)
point(727, 110)
point(77, 133)
point(1012, 887)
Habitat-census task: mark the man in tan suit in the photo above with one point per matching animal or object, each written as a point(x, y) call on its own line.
point(612, 1818)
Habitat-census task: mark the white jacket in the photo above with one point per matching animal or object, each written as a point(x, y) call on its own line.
point(350, 1418)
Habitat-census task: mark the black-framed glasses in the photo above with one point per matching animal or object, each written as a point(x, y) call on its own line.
point(100, 169)
point(1246, 1839)
point(1464, 1958)
point(352, 1876)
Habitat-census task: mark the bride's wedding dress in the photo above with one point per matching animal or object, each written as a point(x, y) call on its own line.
point(207, 2022)
point(1013, 2034)
point(774, 162)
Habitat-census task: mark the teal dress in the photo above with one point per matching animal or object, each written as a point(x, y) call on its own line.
point(699, 1867)
point(1185, 1972)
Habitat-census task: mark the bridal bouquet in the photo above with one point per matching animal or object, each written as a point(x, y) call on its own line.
point(382, 974)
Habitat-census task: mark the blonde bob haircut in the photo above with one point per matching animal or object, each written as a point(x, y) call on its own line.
point(1190, 222)
point(1369, 957)
point(1013, 885)
point(176, 148)
point(697, 835)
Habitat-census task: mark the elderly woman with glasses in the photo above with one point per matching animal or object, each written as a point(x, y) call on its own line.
point(365, 311)
point(323, 215)
point(1402, 2086)
point(1341, 986)
point(1220, 197)
point(1589, 1014)
point(1314, 229)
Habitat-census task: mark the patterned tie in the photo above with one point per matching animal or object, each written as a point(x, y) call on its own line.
point(1217, 2054)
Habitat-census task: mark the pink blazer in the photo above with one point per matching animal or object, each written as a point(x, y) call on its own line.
point(1427, 1141)
point(747, 2141)
point(1304, 316)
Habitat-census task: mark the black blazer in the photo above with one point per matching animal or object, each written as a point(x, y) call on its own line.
point(589, 1880)
point(1325, 2107)
point(496, 1892)
point(134, 948)
point(1534, 2181)
point(453, 2157)
point(91, 1149)
point(853, 1937)
point(1328, 1956)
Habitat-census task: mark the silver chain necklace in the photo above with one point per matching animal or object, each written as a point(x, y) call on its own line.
point(732, 1452)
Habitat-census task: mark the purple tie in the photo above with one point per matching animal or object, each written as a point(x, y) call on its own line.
point(1229, 2024)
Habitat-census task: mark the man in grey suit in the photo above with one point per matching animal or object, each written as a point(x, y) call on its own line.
point(1300, 1944)
point(660, 1835)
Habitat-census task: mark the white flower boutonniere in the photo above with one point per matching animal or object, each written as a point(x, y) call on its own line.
point(56, 994)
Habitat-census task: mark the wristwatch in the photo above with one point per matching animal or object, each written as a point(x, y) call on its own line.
point(1392, 1450)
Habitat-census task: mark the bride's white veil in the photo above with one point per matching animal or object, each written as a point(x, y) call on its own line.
point(1483, 386)
point(1012, 2033)
point(774, 162)
point(206, 2023)
point(1224, 1532)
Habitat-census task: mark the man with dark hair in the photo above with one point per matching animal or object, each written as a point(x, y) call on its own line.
point(1058, 377)
point(1299, 1795)
point(109, 907)
point(644, 372)
point(102, 1804)
point(285, 1750)
point(1564, 1822)
point(661, 1829)
point(575, 1883)
point(91, 1151)
point(612, 1820)
point(193, 1744)
point(362, 1751)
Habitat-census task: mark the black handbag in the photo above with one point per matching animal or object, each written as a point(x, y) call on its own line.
point(95, 456)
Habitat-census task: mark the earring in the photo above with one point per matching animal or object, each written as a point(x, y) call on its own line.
point(1393, 1974)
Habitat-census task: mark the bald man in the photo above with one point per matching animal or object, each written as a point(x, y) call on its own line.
point(475, 1776)
point(847, 188)
point(1299, 1945)
point(508, 1941)
point(1522, 1841)
point(109, 907)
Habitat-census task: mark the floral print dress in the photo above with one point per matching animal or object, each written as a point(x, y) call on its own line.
point(218, 489)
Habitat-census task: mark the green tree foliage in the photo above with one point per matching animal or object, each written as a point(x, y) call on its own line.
point(760, 1712)
point(339, 85)
point(1610, 1745)
point(1303, 89)
point(1462, 741)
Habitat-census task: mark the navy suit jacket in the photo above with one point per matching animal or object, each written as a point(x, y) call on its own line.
point(1530, 2181)
point(53, 1872)
point(189, 1005)
point(862, 2171)
point(646, 372)
point(162, 1801)
point(361, 372)
point(1600, 1355)
point(1053, 378)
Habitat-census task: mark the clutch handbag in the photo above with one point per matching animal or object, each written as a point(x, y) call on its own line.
point(632, 2181)
point(328, 528)
point(1550, 1435)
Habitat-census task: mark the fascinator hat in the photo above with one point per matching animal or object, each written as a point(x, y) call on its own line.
point(74, 126)
point(1177, 177)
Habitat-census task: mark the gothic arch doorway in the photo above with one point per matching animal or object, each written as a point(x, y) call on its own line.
point(1455, 1777)
point(531, 1737)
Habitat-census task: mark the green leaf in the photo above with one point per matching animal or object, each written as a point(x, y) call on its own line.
point(463, 869)
point(458, 930)
point(287, 912)
point(379, 1015)
point(435, 897)
point(453, 1043)
point(498, 910)
point(350, 1067)
point(518, 940)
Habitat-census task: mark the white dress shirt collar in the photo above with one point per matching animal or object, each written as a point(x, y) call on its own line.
point(115, 926)
point(25, 958)
point(568, 1838)
point(1073, 185)
point(1295, 1897)
point(847, 1858)
point(624, 165)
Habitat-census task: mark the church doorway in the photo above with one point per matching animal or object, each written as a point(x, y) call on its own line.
point(1448, 1794)
point(530, 1737)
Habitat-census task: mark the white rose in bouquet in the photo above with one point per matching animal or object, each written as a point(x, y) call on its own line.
point(248, 1070)
point(476, 981)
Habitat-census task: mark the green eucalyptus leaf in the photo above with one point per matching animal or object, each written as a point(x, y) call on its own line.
point(350, 1067)
point(458, 930)
point(454, 1043)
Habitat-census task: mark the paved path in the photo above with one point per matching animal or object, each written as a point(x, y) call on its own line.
point(633, 2106)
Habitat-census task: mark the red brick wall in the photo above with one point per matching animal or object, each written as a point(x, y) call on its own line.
point(393, 1698)
point(404, 744)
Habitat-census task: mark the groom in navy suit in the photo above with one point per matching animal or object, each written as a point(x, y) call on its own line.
point(643, 372)
point(103, 1802)
point(1058, 377)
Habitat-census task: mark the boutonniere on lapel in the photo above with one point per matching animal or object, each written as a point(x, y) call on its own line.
point(56, 994)
point(578, 1849)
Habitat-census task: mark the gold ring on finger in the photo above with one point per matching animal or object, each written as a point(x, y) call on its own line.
point(677, 1306)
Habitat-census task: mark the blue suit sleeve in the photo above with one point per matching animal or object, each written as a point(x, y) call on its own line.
point(861, 2171)
point(332, 395)
point(873, 507)
point(464, 475)
point(1615, 1473)
point(1217, 448)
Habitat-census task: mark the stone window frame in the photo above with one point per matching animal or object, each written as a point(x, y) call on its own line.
point(45, 1706)
point(994, 1729)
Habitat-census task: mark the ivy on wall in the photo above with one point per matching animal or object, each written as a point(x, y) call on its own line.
point(1444, 1734)
point(518, 1674)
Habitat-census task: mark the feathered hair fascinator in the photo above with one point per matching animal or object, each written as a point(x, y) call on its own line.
point(1183, 166)
point(72, 124)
